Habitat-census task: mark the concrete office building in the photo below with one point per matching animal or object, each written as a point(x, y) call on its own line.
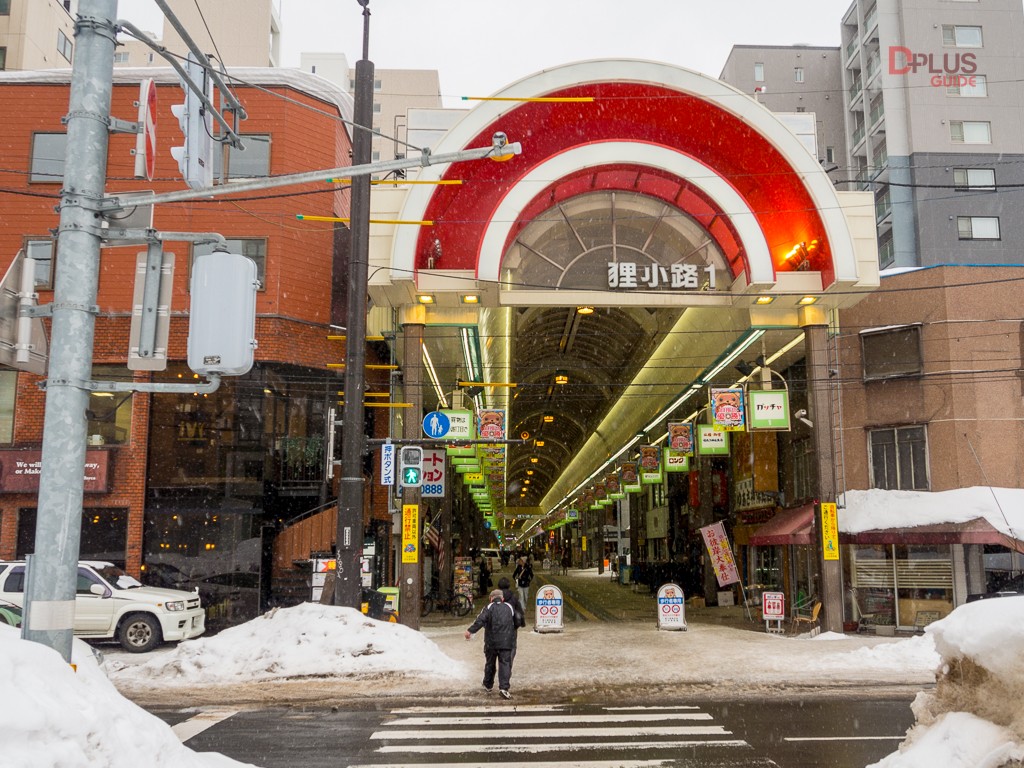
point(37, 34)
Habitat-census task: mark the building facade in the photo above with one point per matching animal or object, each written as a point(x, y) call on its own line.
point(37, 34)
point(184, 487)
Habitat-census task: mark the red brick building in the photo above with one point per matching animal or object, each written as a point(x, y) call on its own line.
point(190, 485)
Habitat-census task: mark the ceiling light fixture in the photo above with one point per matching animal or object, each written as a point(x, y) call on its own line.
point(561, 377)
point(763, 300)
point(469, 298)
point(806, 301)
point(584, 310)
point(425, 298)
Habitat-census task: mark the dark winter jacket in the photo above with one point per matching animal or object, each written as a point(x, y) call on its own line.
point(512, 599)
point(523, 574)
point(497, 619)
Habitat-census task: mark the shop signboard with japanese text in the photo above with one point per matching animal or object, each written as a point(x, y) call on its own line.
point(712, 441)
point(433, 479)
point(680, 437)
point(650, 464)
point(768, 409)
point(727, 410)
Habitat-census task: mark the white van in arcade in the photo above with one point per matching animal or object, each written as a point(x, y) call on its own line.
point(111, 605)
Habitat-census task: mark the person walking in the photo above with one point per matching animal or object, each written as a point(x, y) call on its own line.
point(497, 619)
point(566, 562)
point(518, 610)
point(523, 575)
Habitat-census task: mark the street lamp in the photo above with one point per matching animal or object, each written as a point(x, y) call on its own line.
point(349, 542)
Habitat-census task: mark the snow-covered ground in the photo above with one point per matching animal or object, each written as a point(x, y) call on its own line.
point(51, 716)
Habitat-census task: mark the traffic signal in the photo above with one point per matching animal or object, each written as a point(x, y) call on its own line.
point(195, 156)
point(410, 462)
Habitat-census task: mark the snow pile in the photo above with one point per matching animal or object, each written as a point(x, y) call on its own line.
point(877, 509)
point(54, 717)
point(304, 640)
point(974, 718)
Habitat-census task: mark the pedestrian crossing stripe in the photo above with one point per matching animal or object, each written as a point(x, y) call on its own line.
point(504, 720)
point(550, 733)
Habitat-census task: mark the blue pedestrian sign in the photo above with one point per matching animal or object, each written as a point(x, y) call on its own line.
point(436, 424)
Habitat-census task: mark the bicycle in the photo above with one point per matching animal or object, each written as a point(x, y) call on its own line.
point(458, 603)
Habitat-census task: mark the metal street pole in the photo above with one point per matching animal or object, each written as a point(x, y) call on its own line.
point(348, 579)
point(53, 572)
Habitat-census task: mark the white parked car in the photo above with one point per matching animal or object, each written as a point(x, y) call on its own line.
point(111, 605)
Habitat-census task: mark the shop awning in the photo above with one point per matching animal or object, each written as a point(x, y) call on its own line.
point(977, 531)
point(790, 526)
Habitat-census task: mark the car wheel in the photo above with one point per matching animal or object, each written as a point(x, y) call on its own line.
point(139, 633)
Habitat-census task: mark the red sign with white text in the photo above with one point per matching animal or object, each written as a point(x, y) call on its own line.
point(19, 471)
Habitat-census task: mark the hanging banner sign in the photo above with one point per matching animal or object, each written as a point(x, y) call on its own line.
point(680, 437)
point(671, 608)
point(721, 553)
point(614, 486)
point(829, 531)
point(727, 410)
point(768, 409)
point(572, 514)
point(491, 424)
point(549, 609)
point(410, 533)
point(650, 464)
point(711, 441)
point(676, 461)
point(630, 477)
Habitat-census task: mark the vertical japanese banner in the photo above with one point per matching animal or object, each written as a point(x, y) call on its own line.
point(387, 464)
point(829, 531)
point(410, 533)
point(721, 554)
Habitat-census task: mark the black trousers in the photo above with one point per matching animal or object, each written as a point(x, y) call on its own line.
point(502, 659)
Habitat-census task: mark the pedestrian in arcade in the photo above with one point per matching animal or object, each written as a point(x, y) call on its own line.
point(497, 619)
point(523, 575)
point(518, 611)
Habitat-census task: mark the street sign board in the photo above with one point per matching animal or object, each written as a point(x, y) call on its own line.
point(671, 608)
point(387, 464)
point(436, 425)
point(433, 479)
point(550, 609)
point(23, 342)
point(460, 424)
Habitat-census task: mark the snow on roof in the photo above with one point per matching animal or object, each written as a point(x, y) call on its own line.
point(877, 509)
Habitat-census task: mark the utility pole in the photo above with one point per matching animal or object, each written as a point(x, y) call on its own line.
point(51, 600)
point(351, 487)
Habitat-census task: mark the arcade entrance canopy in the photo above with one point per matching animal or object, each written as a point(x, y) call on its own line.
point(659, 227)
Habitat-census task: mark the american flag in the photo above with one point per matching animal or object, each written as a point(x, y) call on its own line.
point(434, 537)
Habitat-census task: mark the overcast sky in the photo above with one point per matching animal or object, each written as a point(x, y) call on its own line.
point(479, 46)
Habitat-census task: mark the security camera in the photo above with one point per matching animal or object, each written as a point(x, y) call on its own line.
point(801, 415)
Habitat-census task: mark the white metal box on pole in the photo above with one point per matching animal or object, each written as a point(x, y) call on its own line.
point(222, 325)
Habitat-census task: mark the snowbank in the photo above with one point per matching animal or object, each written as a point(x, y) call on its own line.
point(304, 640)
point(974, 718)
point(54, 717)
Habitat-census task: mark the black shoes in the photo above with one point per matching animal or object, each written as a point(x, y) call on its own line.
point(505, 694)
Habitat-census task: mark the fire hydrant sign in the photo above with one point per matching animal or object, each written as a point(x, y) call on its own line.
point(671, 608)
point(773, 608)
point(549, 609)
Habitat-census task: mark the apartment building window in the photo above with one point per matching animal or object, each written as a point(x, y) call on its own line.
point(976, 87)
point(253, 247)
point(8, 394)
point(252, 162)
point(830, 154)
point(377, 85)
point(977, 227)
point(3, 58)
point(121, 57)
point(110, 413)
point(899, 458)
point(41, 252)
point(961, 36)
point(758, 72)
point(5, 7)
point(798, 74)
point(974, 178)
point(47, 163)
point(376, 107)
point(891, 352)
point(64, 46)
point(970, 131)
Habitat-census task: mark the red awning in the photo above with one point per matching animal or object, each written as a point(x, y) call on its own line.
point(790, 526)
